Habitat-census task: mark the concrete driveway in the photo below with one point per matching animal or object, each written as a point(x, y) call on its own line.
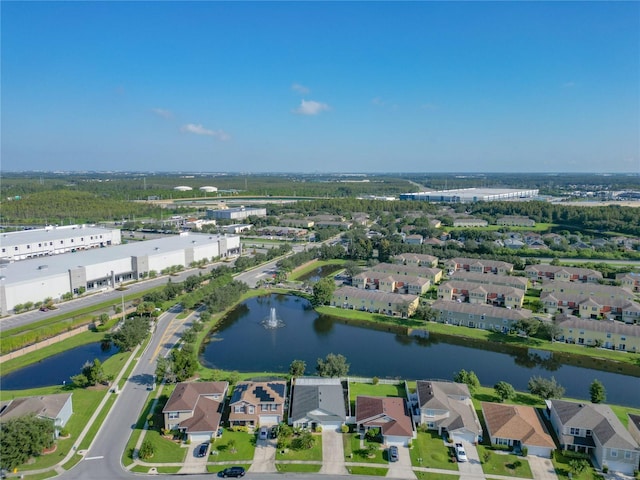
point(193, 463)
point(402, 468)
point(332, 453)
point(264, 458)
point(472, 467)
point(541, 468)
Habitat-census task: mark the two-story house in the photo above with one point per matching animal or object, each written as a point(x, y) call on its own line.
point(603, 333)
point(505, 280)
point(595, 430)
point(471, 292)
point(256, 404)
point(562, 273)
point(478, 265)
point(195, 408)
point(416, 260)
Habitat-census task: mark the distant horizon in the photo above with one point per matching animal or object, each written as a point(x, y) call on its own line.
point(321, 86)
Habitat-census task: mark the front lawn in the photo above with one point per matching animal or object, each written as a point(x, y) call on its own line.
point(233, 446)
point(298, 467)
point(166, 451)
point(499, 463)
point(371, 471)
point(430, 451)
point(354, 453)
point(311, 454)
point(563, 468)
point(435, 476)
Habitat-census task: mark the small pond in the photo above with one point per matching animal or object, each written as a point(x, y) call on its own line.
point(56, 369)
point(243, 343)
point(316, 274)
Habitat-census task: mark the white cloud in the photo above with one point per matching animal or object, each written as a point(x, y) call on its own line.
point(568, 84)
point(296, 87)
point(378, 101)
point(200, 130)
point(161, 112)
point(311, 107)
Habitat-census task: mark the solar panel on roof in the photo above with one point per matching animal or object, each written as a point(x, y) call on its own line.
point(238, 391)
point(263, 395)
point(277, 387)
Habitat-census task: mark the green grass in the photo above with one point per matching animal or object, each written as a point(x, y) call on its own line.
point(311, 266)
point(166, 451)
point(430, 447)
point(95, 426)
point(244, 448)
point(298, 467)
point(73, 462)
point(379, 390)
point(312, 454)
point(435, 476)
point(365, 318)
point(561, 465)
point(353, 452)
point(372, 471)
point(40, 476)
point(504, 464)
point(168, 469)
point(84, 402)
point(140, 469)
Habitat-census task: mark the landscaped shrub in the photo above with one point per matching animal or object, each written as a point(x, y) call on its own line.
point(344, 428)
point(147, 449)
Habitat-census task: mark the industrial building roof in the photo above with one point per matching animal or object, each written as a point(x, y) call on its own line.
point(10, 239)
point(27, 270)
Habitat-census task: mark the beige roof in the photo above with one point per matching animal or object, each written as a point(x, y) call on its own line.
point(481, 309)
point(46, 406)
point(516, 422)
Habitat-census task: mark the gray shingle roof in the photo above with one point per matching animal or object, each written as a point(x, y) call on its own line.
point(309, 396)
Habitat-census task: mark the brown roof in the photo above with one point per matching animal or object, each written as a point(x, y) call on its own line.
point(206, 417)
point(187, 394)
point(388, 413)
point(516, 422)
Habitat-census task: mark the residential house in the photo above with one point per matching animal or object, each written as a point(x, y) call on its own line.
point(505, 280)
point(588, 306)
point(515, 221)
point(629, 280)
point(389, 414)
point(297, 222)
point(478, 265)
point(317, 401)
point(392, 304)
point(469, 222)
point(605, 333)
point(433, 274)
point(594, 429)
point(433, 241)
point(56, 407)
point(487, 317)
point(413, 239)
point(447, 408)
point(391, 283)
point(513, 244)
point(588, 289)
point(258, 403)
point(562, 273)
point(472, 292)
point(416, 260)
point(517, 426)
point(195, 408)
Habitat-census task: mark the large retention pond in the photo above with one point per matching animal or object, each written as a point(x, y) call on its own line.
point(243, 343)
point(55, 370)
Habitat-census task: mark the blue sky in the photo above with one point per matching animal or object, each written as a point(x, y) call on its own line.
point(321, 86)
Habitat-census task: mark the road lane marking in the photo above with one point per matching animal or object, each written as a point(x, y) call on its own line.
point(94, 458)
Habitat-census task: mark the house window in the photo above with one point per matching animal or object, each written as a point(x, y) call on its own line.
point(173, 415)
point(274, 407)
point(252, 409)
point(238, 409)
point(627, 455)
point(574, 431)
point(430, 413)
point(623, 339)
point(608, 335)
point(614, 453)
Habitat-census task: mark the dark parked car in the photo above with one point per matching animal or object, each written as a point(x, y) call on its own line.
point(232, 472)
point(393, 453)
point(202, 449)
point(273, 433)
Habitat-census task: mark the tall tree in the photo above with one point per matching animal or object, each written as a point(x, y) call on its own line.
point(469, 378)
point(504, 391)
point(22, 438)
point(597, 392)
point(323, 291)
point(333, 366)
point(545, 388)
point(297, 368)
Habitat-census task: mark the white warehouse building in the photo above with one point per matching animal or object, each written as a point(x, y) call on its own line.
point(39, 278)
point(55, 240)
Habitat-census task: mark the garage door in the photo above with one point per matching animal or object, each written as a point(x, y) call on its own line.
point(200, 437)
point(543, 452)
point(269, 420)
point(620, 467)
point(463, 437)
point(331, 425)
point(397, 441)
